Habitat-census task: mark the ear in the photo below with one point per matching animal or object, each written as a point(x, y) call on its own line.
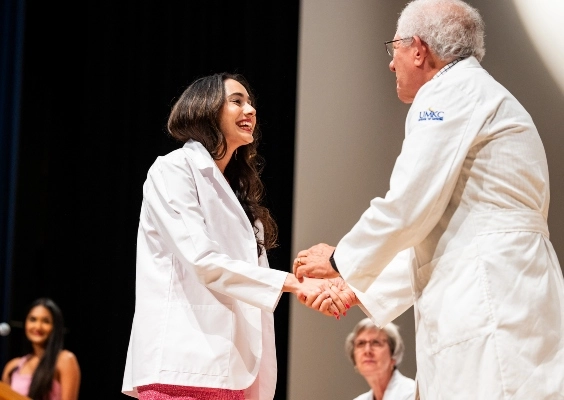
point(420, 51)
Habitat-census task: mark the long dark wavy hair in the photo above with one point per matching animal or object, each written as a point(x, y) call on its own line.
point(42, 380)
point(195, 115)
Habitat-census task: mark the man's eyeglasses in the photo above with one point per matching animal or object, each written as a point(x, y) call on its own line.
point(361, 344)
point(390, 45)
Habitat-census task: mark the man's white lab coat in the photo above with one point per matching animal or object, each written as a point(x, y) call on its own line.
point(204, 299)
point(466, 211)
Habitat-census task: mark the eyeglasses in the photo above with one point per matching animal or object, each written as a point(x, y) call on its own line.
point(361, 344)
point(390, 45)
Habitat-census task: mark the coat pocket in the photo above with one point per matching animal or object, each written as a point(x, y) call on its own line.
point(197, 339)
point(455, 304)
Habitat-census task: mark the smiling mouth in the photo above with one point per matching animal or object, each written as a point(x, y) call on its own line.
point(245, 125)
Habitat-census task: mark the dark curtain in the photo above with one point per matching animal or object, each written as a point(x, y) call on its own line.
point(99, 78)
point(11, 47)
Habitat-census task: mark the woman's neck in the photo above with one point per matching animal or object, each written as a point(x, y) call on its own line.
point(222, 163)
point(38, 351)
point(379, 383)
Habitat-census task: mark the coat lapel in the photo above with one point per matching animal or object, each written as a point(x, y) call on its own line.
point(203, 161)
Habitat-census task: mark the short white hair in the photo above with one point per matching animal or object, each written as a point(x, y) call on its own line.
point(395, 342)
point(451, 28)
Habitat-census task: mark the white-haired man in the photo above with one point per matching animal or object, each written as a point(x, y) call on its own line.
point(467, 212)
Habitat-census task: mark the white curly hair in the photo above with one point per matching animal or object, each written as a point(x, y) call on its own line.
point(451, 28)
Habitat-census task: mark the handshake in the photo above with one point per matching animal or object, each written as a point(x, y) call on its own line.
point(317, 285)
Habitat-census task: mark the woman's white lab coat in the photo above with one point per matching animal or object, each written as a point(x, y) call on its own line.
point(467, 211)
point(204, 299)
point(400, 387)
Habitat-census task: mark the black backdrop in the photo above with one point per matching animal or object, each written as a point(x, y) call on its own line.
point(99, 78)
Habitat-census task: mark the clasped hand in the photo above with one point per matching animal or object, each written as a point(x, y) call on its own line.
point(333, 296)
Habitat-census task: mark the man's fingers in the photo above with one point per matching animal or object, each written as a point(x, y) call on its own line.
point(298, 263)
point(302, 253)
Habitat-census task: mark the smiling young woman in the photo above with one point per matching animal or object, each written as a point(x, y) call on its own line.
point(237, 119)
point(203, 326)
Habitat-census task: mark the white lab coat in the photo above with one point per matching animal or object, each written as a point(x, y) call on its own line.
point(467, 210)
point(400, 387)
point(204, 299)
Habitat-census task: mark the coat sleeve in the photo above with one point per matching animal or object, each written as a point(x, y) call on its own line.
point(389, 295)
point(421, 185)
point(172, 205)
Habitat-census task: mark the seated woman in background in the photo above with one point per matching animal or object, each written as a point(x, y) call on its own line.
point(375, 354)
point(47, 372)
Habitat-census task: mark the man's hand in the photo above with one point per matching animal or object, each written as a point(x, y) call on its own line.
point(314, 262)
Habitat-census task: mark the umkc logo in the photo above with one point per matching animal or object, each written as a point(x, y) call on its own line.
point(431, 115)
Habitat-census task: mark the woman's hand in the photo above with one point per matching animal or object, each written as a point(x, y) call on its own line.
point(313, 293)
point(345, 292)
point(322, 295)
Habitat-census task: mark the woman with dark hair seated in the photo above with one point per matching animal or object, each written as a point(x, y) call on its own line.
point(47, 372)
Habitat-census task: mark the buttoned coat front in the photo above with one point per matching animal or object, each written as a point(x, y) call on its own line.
point(467, 213)
point(204, 298)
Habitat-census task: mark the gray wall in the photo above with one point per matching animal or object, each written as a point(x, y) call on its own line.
point(350, 126)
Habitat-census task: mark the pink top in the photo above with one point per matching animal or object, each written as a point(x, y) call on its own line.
point(20, 382)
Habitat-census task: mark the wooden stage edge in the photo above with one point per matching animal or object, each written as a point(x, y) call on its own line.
point(6, 393)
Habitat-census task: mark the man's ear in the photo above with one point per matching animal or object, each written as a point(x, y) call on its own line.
point(420, 51)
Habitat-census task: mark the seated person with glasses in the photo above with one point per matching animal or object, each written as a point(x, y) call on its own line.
point(376, 354)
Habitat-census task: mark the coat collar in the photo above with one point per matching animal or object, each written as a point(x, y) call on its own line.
point(468, 62)
point(203, 160)
point(200, 156)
